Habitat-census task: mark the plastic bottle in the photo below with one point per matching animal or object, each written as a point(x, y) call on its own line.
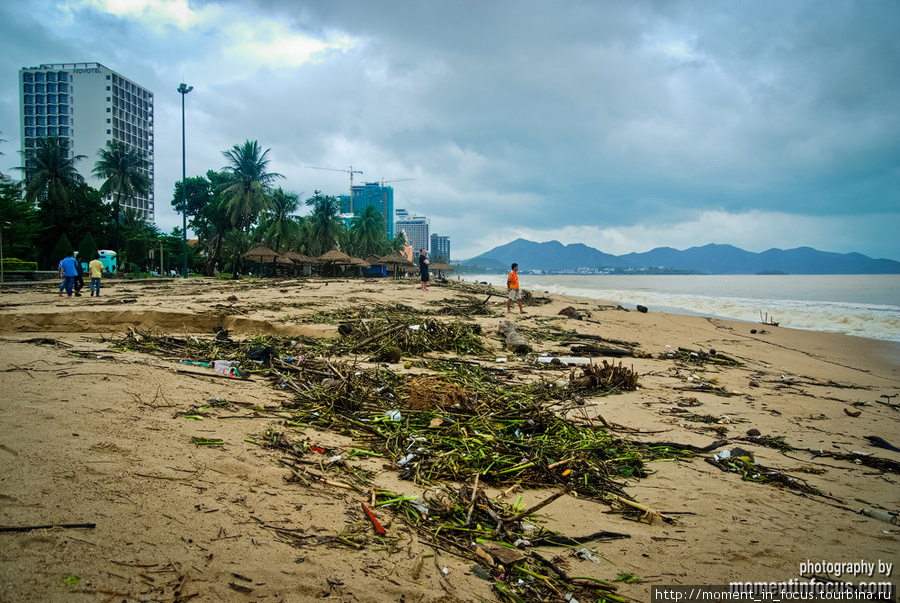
point(881, 516)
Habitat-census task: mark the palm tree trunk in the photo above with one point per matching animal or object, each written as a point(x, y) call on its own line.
point(212, 258)
point(118, 207)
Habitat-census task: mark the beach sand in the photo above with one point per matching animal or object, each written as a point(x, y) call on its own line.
point(91, 434)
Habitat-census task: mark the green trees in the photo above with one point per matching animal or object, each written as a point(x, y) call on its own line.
point(20, 234)
point(207, 215)
point(325, 224)
point(87, 249)
point(122, 165)
point(278, 225)
point(62, 249)
point(53, 176)
point(224, 206)
point(66, 205)
point(367, 233)
point(247, 193)
point(235, 244)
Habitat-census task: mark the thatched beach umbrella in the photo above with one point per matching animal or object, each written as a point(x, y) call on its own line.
point(392, 259)
point(359, 264)
point(395, 260)
point(335, 256)
point(292, 256)
point(301, 260)
point(440, 267)
point(260, 253)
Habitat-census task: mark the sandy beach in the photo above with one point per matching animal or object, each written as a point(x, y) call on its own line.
point(110, 489)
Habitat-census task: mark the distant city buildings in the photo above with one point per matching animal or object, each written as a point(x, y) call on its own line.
point(415, 227)
point(440, 247)
point(86, 104)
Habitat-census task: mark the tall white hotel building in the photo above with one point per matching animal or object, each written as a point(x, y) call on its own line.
point(87, 104)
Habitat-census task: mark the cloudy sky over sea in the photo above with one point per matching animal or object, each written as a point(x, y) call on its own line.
point(624, 125)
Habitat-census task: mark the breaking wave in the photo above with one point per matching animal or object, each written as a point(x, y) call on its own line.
point(832, 303)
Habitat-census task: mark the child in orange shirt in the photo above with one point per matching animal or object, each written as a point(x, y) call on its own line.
point(514, 293)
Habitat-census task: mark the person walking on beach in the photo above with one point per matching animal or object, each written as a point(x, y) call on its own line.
point(62, 276)
point(70, 268)
point(423, 269)
point(78, 284)
point(96, 271)
point(514, 293)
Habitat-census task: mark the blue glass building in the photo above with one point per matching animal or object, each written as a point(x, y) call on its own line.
point(372, 193)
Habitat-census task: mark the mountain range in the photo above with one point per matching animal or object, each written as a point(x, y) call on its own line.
point(553, 256)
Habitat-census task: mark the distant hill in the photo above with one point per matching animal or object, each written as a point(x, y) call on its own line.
point(709, 259)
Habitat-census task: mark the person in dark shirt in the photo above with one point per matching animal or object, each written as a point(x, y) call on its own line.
point(423, 269)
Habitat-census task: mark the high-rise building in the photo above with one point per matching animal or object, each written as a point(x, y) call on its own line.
point(87, 105)
point(372, 193)
point(440, 247)
point(415, 227)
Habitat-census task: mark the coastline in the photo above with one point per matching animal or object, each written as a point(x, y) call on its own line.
point(91, 432)
point(860, 305)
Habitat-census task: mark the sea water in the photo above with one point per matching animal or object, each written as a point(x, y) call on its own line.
point(863, 305)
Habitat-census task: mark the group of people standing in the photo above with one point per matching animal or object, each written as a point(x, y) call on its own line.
point(514, 294)
point(71, 274)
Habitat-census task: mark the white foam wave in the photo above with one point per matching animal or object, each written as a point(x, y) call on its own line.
point(875, 321)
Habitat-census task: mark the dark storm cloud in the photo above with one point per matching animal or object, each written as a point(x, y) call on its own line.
point(623, 125)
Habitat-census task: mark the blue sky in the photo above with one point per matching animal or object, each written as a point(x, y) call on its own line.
point(622, 125)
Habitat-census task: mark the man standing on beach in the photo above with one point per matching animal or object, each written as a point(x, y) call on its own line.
point(70, 269)
point(423, 269)
point(514, 293)
point(96, 270)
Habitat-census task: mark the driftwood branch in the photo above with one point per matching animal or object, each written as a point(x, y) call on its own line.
point(384, 333)
point(474, 498)
point(539, 506)
point(67, 526)
point(515, 341)
point(688, 447)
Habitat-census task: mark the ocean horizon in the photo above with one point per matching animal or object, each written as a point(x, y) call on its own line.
point(862, 305)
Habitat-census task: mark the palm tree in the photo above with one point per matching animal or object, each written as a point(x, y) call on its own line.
point(236, 243)
point(52, 177)
point(123, 167)
point(302, 242)
point(398, 242)
point(367, 228)
point(246, 193)
point(278, 223)
point(324, 223)
point(135, 226)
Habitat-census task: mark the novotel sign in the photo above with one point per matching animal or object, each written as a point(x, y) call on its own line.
point(89, 70)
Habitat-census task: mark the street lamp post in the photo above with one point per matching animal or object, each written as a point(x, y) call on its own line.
point(2, 270)
point(183, 89)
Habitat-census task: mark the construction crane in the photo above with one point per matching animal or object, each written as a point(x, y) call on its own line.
point(351, 171)
point(383, 181)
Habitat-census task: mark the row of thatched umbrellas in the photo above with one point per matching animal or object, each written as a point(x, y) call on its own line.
point(263, 254)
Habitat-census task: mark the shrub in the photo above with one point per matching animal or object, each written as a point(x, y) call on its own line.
point(11, 264)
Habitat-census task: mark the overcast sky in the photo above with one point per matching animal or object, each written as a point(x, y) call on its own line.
point(622, 125)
